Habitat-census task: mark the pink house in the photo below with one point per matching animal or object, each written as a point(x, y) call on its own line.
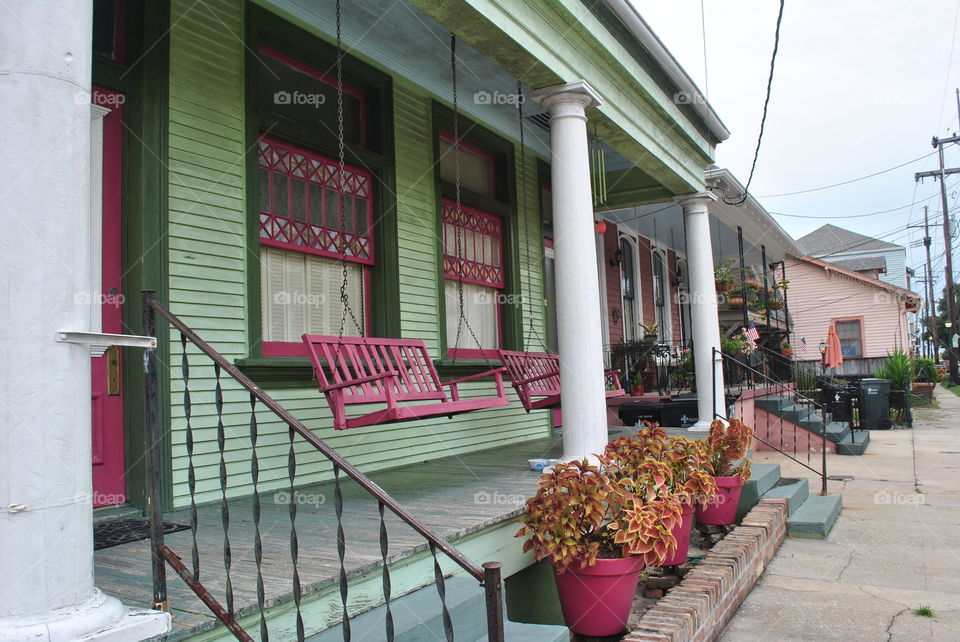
point(870, 316)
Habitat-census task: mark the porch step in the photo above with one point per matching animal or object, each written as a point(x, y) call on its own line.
point(762, 478)
point(114, 513)
point(815, 517)
point(795, 491)
point(418, 616)
point(860, 440)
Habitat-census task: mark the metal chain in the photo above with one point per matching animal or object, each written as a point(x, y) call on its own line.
point(462, 321)
point(523, 217)
point(345, 283)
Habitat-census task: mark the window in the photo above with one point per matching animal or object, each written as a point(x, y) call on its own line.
point(628, 289)
point(851, 337)
point(661, 296)
point(307, 216)
point(472, 252)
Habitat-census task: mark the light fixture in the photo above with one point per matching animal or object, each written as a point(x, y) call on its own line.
point(947, 324)
point(601, 227)
point(823, 347)
point(617, 258)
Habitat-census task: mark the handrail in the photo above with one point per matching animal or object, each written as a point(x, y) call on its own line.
point(487, 573)
point(822, 473)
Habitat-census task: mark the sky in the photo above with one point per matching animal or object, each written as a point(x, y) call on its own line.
point(859, 87)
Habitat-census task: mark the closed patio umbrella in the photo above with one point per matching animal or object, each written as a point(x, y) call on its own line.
point(834, 355)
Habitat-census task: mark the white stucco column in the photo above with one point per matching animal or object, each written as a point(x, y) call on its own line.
point(582, 394)
point(703, 309)
point(46, 521)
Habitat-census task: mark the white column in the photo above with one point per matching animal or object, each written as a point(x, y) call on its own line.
point(703, 309)
point(46, 522)
point(582, 394)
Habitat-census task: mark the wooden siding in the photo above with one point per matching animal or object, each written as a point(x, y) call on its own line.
point(209, 263)
point(817, 299)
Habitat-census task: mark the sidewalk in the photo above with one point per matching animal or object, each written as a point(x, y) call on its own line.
point(896, 547)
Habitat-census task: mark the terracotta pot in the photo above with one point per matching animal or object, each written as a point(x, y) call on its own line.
point(681, 532)
point(721, 510)
point(787, 352)
point(637, 390)
point(735, 301)
point(596, 600)
point(775, 305)
point(723, 286)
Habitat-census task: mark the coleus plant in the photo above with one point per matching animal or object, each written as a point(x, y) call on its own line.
point(727, 447)
point(683, 463)
point(583, 512)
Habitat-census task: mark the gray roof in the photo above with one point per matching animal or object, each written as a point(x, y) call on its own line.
point(831, 239)
point(863, 264)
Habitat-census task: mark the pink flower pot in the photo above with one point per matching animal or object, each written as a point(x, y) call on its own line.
point(721, 510)
point(596, 600)
point(681, 532)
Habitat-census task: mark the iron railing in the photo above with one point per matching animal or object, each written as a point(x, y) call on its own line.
point(665, 367)
point(488, 575)
point(752, 378)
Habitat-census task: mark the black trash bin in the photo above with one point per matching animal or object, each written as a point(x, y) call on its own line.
point(875, 404)
point(838, 401)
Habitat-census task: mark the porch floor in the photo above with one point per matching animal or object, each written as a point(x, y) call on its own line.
point(447, 494)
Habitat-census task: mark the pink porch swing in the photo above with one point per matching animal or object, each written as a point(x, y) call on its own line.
point(395, 372)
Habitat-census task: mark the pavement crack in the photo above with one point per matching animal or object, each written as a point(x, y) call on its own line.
point(893, 621)
point(846, 566)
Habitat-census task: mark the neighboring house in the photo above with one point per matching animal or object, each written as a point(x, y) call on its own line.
point(859, 253)
point(207, 170)
point(870, 316)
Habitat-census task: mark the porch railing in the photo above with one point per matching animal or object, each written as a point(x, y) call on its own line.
point(749, 377)
point(666, 367)
point(488, 575)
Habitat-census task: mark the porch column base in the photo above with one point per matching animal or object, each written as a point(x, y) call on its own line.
point(101, 618)
point(702, 425)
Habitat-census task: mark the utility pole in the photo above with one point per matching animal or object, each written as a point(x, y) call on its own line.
point(931, 302)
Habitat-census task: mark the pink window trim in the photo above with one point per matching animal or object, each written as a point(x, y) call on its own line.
point(482, 224)
point(476, 151)
point(283, 231)
point(299, 66)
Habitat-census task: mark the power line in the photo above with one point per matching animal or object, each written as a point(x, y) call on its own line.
point(845, 216)
point(766, 103)
point(852, 180)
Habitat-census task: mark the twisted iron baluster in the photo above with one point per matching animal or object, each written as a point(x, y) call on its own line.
point(224, 505)
point(388, 620)
point(294, 543)
point(257, 541)
point(341, 549)
point(191, 472)
point(442, 590)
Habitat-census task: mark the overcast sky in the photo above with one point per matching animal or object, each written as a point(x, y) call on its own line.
point(860, 86)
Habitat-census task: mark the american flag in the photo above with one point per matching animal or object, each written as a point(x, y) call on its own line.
point(751, 335)
point(803, 344)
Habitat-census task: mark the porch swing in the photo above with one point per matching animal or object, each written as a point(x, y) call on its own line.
point(395, 372)
point(536, 375)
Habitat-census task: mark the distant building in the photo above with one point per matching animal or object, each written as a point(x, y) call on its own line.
point(859, 253)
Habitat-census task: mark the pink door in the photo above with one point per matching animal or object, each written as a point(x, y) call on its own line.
point(109, 485)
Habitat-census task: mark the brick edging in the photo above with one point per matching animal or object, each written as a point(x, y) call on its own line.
point(702, 604)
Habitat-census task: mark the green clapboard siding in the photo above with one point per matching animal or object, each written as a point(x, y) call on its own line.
point(209, 260)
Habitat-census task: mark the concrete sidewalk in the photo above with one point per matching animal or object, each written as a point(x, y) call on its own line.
point(896, 546)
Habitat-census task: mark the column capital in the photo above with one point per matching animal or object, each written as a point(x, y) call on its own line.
point(694, 199)
point(578, 92)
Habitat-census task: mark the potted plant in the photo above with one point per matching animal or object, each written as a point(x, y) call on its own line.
point(636, 386)
point(723, 276)
point(684, 466)
point(726, 449)
point(650, 330)
point(786, 350)
point(735, 345)
point(925, 377)
point(599, 528)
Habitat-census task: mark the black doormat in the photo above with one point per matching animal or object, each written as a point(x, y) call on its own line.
point(124, 531)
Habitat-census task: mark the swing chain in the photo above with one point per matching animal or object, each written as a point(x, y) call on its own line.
point(526, 225)
point(462, 321)
point(344, 284)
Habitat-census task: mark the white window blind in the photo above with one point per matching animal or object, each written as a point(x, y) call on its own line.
point(849, 335)
point(480, 310)
point(301, 293)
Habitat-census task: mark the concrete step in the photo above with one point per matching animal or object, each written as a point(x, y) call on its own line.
point(532, 632)
point(815, 517)
point(861, 438)
point(795, 491)
point(418, 616)
point(763, 477)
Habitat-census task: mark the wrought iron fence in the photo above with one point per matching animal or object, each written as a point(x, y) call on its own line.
point(664, 367)
point(226, 611)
